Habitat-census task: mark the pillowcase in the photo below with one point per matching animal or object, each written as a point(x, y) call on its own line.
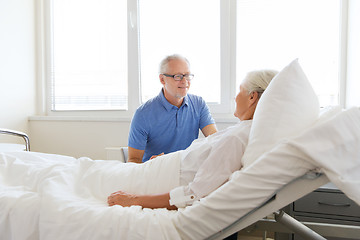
point(288, 106)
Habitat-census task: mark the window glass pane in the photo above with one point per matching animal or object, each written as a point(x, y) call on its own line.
point(272, 33)
point(187, 27)
point(89, 54)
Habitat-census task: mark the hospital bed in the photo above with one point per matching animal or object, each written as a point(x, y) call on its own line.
point(304, 185)
point(60, 197)
point(282, 222)
point(284, 196)
point(285, 223)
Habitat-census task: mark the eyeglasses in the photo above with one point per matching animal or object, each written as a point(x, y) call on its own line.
point(179, 77)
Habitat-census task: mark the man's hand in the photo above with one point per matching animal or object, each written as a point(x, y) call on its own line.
point(154, 156)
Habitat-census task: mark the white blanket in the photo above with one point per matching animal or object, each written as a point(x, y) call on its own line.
point(44, 196)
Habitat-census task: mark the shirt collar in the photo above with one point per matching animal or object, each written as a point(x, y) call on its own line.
point(168, 106)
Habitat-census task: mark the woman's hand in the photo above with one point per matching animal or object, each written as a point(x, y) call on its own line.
point(146, 201)
point(122, 198)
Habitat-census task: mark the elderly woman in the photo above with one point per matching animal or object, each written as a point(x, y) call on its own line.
point(204, 166)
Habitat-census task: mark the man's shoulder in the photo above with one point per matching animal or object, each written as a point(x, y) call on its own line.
point(145, 112)
point(149, 105)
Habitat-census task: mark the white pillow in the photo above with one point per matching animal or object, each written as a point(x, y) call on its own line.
point(288, 106)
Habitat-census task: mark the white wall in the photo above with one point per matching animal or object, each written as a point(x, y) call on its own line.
point(80, 138)
point(77, 138)
point(17, 63)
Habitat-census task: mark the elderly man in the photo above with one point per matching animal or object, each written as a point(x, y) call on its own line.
point(170, 121)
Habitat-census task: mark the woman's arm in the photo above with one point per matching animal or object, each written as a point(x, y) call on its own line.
point(146, 201)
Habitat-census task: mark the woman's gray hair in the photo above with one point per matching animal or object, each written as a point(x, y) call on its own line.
point(258, 81)
point(164, 63)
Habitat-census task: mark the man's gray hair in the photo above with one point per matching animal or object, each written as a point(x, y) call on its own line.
point(258, 81)
point(164, 63)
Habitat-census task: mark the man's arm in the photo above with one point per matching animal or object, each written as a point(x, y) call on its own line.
point(146, 201)
point(209, 129)
point(135, 155)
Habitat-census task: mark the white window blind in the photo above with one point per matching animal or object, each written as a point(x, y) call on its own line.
point(89, 55)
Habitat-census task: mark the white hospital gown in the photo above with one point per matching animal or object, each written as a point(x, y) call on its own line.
point(208, 163)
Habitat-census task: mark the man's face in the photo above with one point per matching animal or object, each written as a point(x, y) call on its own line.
point(175, 89)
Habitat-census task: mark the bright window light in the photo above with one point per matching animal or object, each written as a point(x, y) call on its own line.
point(272, 33)
point(89, 55)
point(187, 27)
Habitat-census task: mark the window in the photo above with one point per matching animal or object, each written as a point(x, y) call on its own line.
point(183, 27)
point(272, 33)
point(100, 51)
point(89, 55)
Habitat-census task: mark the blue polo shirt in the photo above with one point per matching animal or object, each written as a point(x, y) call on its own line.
point(158, 126)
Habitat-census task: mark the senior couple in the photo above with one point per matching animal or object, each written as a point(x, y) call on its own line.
point(171, 121)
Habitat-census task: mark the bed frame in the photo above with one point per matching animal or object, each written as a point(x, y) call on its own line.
point(17, 134)
point(285, 223)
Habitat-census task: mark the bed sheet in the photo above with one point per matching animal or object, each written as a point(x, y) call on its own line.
point(57, 197)
point(45, 196)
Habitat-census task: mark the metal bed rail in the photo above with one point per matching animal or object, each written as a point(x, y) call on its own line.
point(17, 134)
point(303, 185)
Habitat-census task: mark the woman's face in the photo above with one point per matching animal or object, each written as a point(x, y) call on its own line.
point(243, 104)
